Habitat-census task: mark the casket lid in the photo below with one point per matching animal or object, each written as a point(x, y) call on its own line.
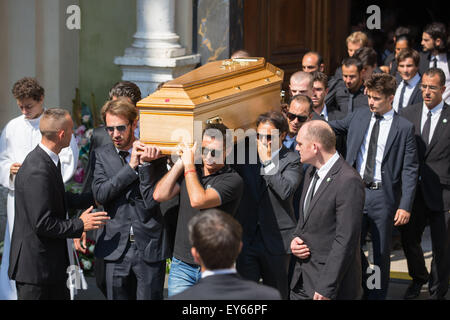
point(213, 82)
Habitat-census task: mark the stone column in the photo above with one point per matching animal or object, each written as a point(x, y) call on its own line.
point(156, 55)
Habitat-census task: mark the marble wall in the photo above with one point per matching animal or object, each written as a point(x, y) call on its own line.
point(213, 36)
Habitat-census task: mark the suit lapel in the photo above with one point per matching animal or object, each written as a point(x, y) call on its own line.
point(323, 186)
point(414, 94)
point(392, 134)
point(308, 177)
point(365, 122)
point(440, 127)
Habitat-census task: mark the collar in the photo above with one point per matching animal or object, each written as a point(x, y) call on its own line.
point(440, 57)
point(208, 273)
point(129, 150)
point(324, 111)
point(322, 172)
point(387, 116)
point(51, 154)
point(414, 81)
point(436, 109)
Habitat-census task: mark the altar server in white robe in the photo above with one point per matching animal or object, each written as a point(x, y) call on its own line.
point(19, 137)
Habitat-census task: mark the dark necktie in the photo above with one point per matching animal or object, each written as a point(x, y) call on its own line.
point(322, 116)
point(124, 155)
point(426, 129)
point(350, 103)
point(402, 95)
point(310, 195)
point(434, 62)
point(59, 166)
point(372, 151)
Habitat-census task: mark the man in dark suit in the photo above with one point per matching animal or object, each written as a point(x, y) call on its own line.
point(313, 61)
point(210, 232)
point(382, 148)
point(408, 90)
point(134, 243)
point(348, 95)
point(39, 254)
point(326, 242)
point(100, 138)
point(266, 211)
point(432, 203)
point(436, 53)
point(300, 110)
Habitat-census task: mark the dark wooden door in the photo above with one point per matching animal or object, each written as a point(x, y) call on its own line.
point(282, 31)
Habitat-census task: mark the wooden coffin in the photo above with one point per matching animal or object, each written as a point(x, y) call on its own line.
point(233, 92)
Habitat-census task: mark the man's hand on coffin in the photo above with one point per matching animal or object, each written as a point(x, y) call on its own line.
point(187, 156)
point(150, 153)
point(138, 150)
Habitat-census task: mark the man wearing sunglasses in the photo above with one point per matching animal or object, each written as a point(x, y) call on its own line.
point(202, 184)
point(300, 110)
point(134, 245)
point(266, 212)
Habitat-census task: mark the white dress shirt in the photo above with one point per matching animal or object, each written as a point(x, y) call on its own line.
point(51, 154)
point(408, 91)
point(208, 273)
point(442, 64)
point(324, 112)
point(385, 127)
point(322, 172)
point(435, 115)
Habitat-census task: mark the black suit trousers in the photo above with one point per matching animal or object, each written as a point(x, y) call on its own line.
point(26, 291)
point(440, 236)
point(255, 262)
point(131, 278)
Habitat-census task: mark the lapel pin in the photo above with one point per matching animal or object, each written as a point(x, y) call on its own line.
point(329, 179)
point(444, 121)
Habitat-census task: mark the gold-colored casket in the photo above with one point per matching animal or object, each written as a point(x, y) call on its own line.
point(233, 92)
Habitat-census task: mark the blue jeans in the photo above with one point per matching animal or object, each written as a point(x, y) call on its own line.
point(182, 275)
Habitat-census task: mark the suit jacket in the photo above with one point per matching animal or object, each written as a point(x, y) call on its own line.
point(127, 196)
point(399, 169)
point(99, 138)
point(341, 139)
point(332, 231)
point(337, 99)
point(267, 202)
point(425, 58)
point(39, 252)
point(227, 287)
point(434, 159)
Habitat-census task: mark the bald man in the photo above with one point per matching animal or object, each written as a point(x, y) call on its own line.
point(39, 252)
point(312, 61)
point(301, 83)
point(326, 241)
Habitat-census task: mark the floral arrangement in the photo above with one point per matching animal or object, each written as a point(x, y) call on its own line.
point(87, 260)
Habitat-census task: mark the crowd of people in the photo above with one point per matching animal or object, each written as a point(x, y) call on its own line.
point(358, 155)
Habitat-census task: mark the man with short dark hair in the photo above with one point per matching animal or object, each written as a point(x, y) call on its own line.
point(301, 83)
point(382, 148)
point(210, 232)
point(300, 110)
point(39, 255)
point(266, 210)
point(209, 184)
point(432, 201)
point(435, 53)
point(408, 90)
point(18, 138)
point(326, 241)
point(348, 94)
point(312, 61)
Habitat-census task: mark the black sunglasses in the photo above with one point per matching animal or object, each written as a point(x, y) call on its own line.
point(292, 116)
point(120, 128)
point(214, 152)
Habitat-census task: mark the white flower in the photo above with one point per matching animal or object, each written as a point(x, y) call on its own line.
point(91, 248)
point(87, 264)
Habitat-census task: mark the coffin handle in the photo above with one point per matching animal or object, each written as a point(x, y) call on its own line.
point(215, 120)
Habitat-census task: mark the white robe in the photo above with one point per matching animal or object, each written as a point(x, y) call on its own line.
point(19, 137)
